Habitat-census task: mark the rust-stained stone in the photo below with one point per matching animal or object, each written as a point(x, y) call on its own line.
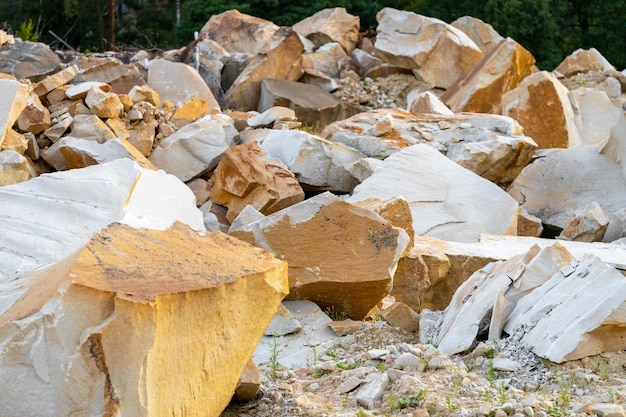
point(340, 256)
point(192, 110)
point(584, 60)
point(247, 175)
point(14, 99)
point(249, 383)
point(43, 87)
point(151, 307)
point(282, 61)
point(35, 118)
point(141, 136)
point(542, 106)
point(14, 168)
point(481, 89)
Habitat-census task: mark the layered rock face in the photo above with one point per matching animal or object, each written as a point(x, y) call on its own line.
point(125, 332)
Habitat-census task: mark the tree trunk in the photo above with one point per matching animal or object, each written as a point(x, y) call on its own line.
point(111, 23)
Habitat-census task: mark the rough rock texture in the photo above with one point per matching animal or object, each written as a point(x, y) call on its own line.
point(32, 60)
point(316, 162)
point(283, 60)
point(583, 60)
point(595, 114)
point(35, 118)
point(486, 299)
point(15, 98)
point(43, 87)
point(582, 176)
point(587, 224)
point(542, 106)
point(72, 153)
point(247, 175)
point(328, 61)
point(591, 283)
point(426, 102)
point(447, 201)
point(14, 168)
point(481, 89)
point(489, 145)
point(239, 32)
point(331, 25)
point(312, 104)
point(196, 148)
point(118, 340)
point(339, 255)
point(483, 34)
point(178, 82)
point(437, 53)
point(117, 191)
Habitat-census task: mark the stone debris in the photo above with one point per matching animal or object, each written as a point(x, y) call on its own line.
point(482, 88)
point(111, 320)
point(405, 236)
point(331, 25)
point(318, 238)
point(246, 175)
point(425, 45)
point(542, 106)
point(582, 174)
point(583, 60)
point(437, 191)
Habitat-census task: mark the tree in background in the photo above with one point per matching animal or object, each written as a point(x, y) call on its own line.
point(550, 29)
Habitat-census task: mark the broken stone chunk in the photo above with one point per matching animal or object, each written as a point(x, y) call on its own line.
point(246, 175)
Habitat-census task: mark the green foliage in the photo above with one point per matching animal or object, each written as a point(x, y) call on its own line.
point(550, 29)
point(27, 31)
point(336, 315)
point(273, 366)
point(413, 400)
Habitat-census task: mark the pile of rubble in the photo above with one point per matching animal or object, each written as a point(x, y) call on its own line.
point(155, 213)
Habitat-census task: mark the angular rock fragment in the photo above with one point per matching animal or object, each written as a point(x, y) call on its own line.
point(527, 224)
point(189, 112)
point(588, 224)
point(442, 195)
point(103, 105)
point(117, 191)
point(402, 316)
point(327, 61)
point(583, 60)
point(472, 309)
point(72, 153)
point(90, 127)
point(14, 141)
point(178, 82)
point(43, 87)
point(14, 168)
point(552, 321)
point(594, 114)
point(246, 175)
point(437, 53)
point(482, 88)
point(312, 105)
point(144, 93)
point(239, 32)
point(426, 102)
point(80, 91)
point(35, 118)
point(489, 145)
point(582, 174)
point(196, 148)
point(331, 25)
point(121, 334)
point(540, 103)
point(122, 78)
point(283, 61)
point(271, 116)
point(340, 255)
point(32, 60)
point(483, 34)
point(15, 96)
point(316, 162)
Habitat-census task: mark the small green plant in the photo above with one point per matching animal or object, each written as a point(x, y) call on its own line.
point(336, 315)
point(381, 366)
point(492, 374)
point(26, 31)
point(333, 351)
point(413, 400)
point(313, 128)
point(489, 354)
point(316, 370)
point(611, 395)
point(604, 370)
point(273, 366)
point(564, 388)
point(346, 367)
point(555, 411)
point(488, 396)
point(346, 401)
point(450, 405)
point(502, 392)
